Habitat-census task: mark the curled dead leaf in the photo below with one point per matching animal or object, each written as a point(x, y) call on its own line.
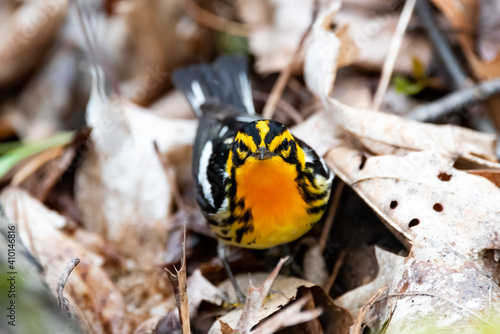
point(97, 302)
point(28, 31)
point(121, 187)
point(283, 291)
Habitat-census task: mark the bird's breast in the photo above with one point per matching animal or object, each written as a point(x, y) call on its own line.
point(269, 197)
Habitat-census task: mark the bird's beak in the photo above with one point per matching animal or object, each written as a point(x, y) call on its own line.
point(263, 153)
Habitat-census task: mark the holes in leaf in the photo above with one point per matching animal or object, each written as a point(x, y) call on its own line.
point(438, 207)
point(363, 161)
point(394, 204)
point(444, 177)
point(414, 222)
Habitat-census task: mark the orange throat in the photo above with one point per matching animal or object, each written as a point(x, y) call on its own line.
point(269, 190)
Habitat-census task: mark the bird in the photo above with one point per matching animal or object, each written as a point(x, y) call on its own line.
point(257, 185)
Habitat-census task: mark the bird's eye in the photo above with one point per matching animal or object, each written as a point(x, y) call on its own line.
point(241, 146)
point(285, 144)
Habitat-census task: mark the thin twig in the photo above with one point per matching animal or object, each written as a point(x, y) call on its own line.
point(459, 99)
point(335, 272)
point(255, 299)
point(280, 84)
point(282, 104)
point(356, 328)
point(62, 301)
point(289, 316)
point(404, 19)
point(443, 50)
point(213, 21)
point(327, 226)
point(179, 284)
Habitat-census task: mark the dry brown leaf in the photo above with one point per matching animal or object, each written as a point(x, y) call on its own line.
point(363, 31)
point(463, 16)
point(172, 105)
point(466, 17)
point(200, 289)
point(492, 175)
point(425, 188)
point(33, 295)
point(378, 132)
point(315, 268)
point(54, 99)
point(382, 133)
point(149, 40)
point(289, 316)
point(28, 30)
point(98, 303)
point(148, 296)
point(488, 38)
point(274, 42)
point(449, 217)
point(121, 187)
point(255, 300)
point(404, 171)
point(428, 296)
point(322, 47)
point(354, 300)
point(284, 290)
point(357, 327)
point(352, 89)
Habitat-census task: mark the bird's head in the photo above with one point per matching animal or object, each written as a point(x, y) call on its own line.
point(263, 140)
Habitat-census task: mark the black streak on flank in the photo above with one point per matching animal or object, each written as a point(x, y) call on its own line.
point(239, 205)
point(242, 231)
point(212, 222)
point(247, 217)
point(306, 195)
point(252, 242)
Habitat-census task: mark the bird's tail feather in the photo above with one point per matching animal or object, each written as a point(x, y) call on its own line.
point(224, 82)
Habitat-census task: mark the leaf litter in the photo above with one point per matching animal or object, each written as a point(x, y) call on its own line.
point(121, 203)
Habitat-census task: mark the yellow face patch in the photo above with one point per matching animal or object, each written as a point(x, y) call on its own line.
point(252, 139)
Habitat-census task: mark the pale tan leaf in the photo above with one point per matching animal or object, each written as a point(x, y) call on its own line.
point(274, 42)
point(30, 28)
point(98, 303)
point(121, 187)
point(289, 316)
point(448, 217)
point(368, 33)
point(283, 291)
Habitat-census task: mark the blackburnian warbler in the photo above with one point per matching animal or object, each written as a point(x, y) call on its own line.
point(257, 185)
